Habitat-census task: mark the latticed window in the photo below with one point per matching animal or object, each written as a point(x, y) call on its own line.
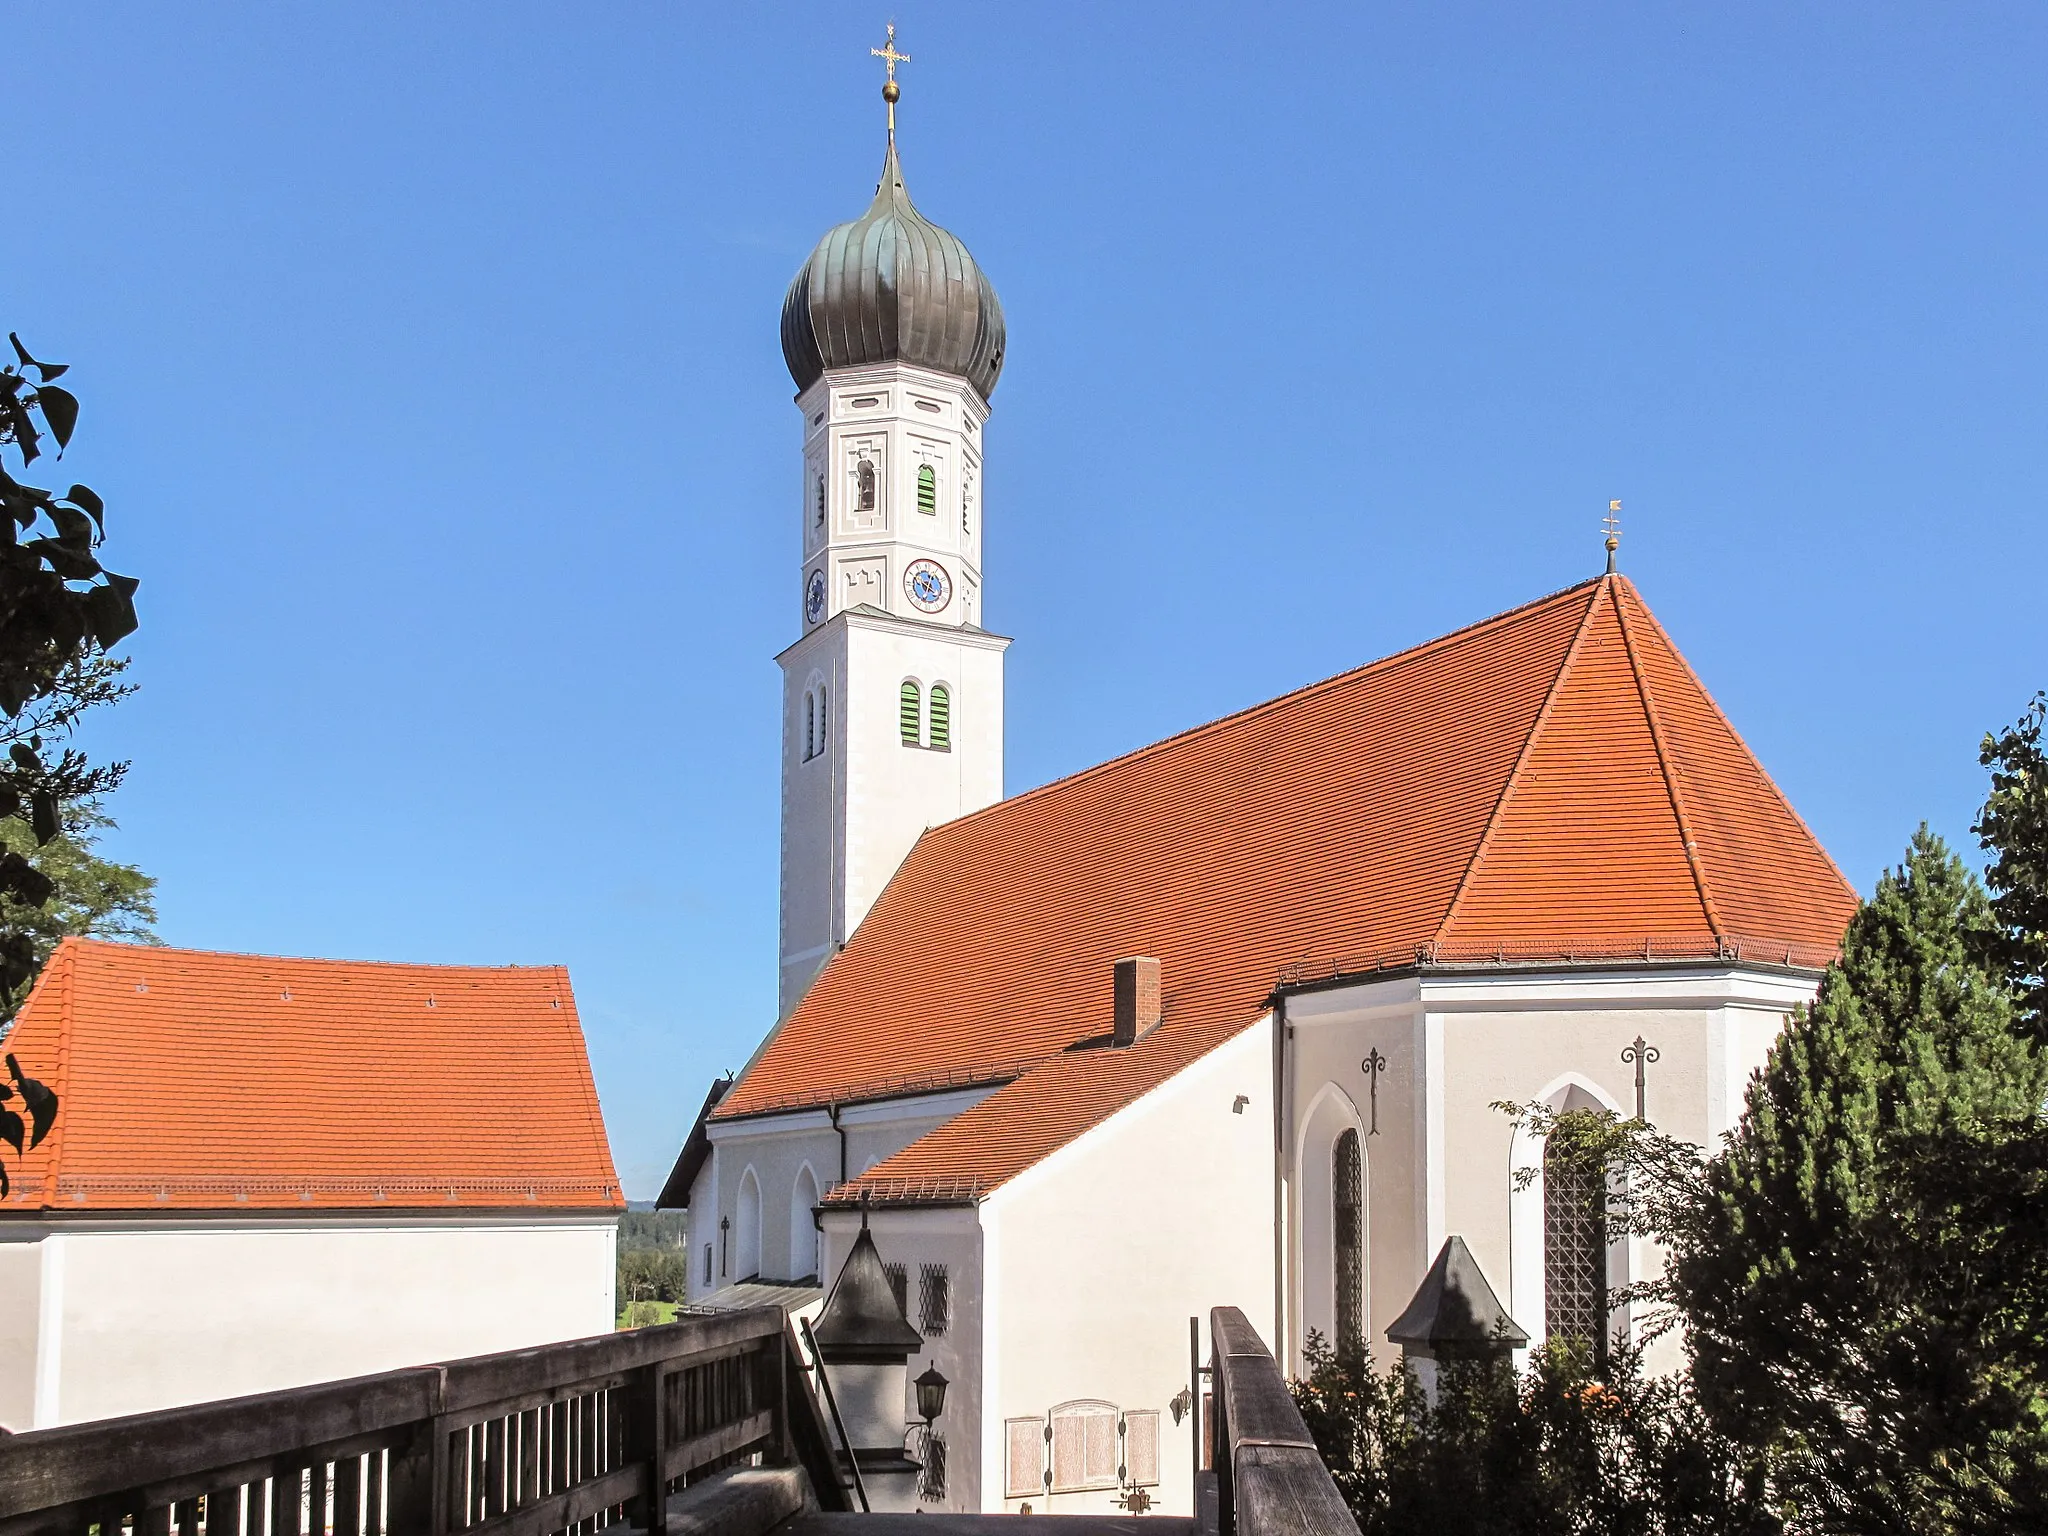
point(909, 712)
point(927, 490)
point(899, 1282)
point(1347, 1199)
point(931, 1478)
point(1574, 1246)
point(942, 716)
point(864, 484)
point(934, 1299)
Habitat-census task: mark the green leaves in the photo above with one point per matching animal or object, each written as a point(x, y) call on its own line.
point(39, 1100)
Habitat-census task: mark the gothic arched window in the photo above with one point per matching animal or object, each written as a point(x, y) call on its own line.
point(810, 726)
point(1347, 1200)
point(1574, 1246)
point(824, 718)
point(908, 714)
point(942, 717)
point(864, 481)
point(927, 489)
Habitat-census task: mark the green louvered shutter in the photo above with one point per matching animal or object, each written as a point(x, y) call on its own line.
point(909, 712)
point(942, 716)
point(927, 489)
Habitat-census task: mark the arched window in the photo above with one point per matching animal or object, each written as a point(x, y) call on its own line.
point(824, 718)
point(803, 1228)
point(864, 479)
point(821, 501)
point(747, 1229)
point(942, 717)
point(927, 490)
point(908, 713)
point(810, 726)
point(1347, 1202)
point(1574, 1246)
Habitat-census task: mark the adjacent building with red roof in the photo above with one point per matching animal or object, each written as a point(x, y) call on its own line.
point(267, 1172)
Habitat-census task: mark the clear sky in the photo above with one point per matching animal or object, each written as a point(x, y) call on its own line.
point(430, 372)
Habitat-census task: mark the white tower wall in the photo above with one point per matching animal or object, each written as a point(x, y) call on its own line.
point(856, 794)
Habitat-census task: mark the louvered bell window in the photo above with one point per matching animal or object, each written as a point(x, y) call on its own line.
point(864, 483)
point(1574, 1247)
point(810, 726)
point(942, 717)
point(927, 490)
point(821, 501)
point(908, 712)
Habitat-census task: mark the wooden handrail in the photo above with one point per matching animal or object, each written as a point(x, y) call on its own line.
point(565, 1438)
point(1270, 1479)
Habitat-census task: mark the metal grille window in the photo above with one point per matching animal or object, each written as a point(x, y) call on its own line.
point(899, 1282)
point(931, 1478)
point(1348, 1199)
point(909, 713)
point(927, 490)
point(934, 1300)
point(1574, 1247)
point(942, 716)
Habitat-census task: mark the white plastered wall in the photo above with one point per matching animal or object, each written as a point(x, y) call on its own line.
point(1098, 1256)
point(1455, 1043)
point(949, 1236)
point(780, 1150)
point(142, 1314)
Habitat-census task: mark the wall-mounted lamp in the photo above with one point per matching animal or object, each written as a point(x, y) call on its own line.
point(931, 1395)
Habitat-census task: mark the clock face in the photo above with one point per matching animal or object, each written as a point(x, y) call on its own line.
point(928, 585)
point(814, 598)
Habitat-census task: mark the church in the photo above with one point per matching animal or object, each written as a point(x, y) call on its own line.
point(1224, 1020)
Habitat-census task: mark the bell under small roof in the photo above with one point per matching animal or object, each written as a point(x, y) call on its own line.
point(862, 1320)
point(1455, 1306)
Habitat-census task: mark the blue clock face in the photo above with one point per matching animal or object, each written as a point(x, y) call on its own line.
point(927, 585)
point(814, 598)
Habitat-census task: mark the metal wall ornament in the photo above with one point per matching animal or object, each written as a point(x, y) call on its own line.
point(1640, 1054)
point(1373, 1065)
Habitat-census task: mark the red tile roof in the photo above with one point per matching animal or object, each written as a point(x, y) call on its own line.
point(1553, 783)
point(192, 1080)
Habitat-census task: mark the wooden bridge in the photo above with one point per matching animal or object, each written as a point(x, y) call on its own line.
point(704, 1427)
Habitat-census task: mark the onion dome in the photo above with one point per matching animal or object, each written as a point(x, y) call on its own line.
point(893, 287)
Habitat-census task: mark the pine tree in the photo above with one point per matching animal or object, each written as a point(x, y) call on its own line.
point(2014, 830)
point(1812, 1329)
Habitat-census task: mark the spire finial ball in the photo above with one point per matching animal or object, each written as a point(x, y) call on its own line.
point(892, 92)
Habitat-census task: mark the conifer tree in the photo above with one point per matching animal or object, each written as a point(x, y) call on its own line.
point(2014, 830)
point(1813, 1332)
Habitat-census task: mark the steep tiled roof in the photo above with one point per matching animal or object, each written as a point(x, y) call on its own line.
point(192, 1080)
point(1552, 783)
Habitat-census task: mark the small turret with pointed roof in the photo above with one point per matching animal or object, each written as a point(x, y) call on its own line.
point(862, 1320)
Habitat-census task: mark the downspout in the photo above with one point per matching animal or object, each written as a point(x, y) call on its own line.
point(832, 1109)
point(1283, 1116)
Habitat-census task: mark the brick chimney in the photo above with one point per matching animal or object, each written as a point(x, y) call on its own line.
point(1137, 999)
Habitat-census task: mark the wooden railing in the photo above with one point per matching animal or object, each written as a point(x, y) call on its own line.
point(562, 1440)
point(1270, 1479)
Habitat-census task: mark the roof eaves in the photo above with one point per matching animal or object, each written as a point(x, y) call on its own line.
point(1507, 788)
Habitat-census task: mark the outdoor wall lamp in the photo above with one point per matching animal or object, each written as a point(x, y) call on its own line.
point(931, 1395)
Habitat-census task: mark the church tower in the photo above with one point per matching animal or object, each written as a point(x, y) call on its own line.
point(892, 700)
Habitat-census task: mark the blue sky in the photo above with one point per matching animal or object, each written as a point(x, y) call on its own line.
point(430, 372)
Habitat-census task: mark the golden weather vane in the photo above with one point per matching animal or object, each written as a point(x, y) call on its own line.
point(890, 89)
point(1612, 523)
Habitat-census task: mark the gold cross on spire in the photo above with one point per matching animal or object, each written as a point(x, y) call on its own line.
point(890, 90)
point(1612, 523)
